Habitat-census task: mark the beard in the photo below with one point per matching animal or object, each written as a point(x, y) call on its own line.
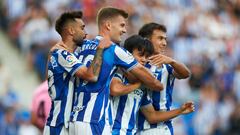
point(79, 41)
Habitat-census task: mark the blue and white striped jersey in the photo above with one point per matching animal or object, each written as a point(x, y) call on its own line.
point(160, 100)
point(125, 109)
point(92, 99)
point(61, 69)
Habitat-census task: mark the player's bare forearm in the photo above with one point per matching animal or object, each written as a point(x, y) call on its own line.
point(96, 64)
point(180, 70)
point(159, 116)
point(147, 78)
point(118, 88)
point(92, 72)
point(154, 116)
point(131, 78)
point(164, 116)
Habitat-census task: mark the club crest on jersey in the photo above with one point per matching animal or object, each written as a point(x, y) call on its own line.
point(70, 59)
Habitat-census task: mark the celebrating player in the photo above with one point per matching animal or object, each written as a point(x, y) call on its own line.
point(91, 109)
point(63, 67)
point(129, 98)
point(166, 70)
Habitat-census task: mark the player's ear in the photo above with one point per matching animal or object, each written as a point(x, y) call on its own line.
point(108, 24)
point(71, 30)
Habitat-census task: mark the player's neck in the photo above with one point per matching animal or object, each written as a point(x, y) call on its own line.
point(69, 45)
point(104, 34)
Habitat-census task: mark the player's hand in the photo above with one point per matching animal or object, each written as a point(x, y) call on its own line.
point(187, 107)
point(160, 59)
point(105, 43)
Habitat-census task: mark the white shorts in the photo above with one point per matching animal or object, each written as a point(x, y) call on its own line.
point(84, 128)
point(59, 130)
point(162, 130)
point(123, 132)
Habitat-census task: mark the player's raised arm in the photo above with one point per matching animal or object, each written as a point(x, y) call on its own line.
point(180, 70)
point(153, 116)
point(91, 73)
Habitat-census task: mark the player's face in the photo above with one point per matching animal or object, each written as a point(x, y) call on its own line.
point(140, 56)
point(159, 41)
point(79, 34)
point(117, 28)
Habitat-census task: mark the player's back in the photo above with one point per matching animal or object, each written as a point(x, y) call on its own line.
point(93, 98)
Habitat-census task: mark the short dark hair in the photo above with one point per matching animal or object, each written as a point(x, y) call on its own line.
point(109, 12)
point(65, 18)
point(147, 29)
point(140, 43)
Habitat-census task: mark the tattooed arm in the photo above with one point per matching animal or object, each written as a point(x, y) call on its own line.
point(91, 73)
point(96, 64)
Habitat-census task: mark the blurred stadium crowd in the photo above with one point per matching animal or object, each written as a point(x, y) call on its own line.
point(204, 34)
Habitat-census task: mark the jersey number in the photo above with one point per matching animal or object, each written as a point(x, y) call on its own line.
point(86, 59)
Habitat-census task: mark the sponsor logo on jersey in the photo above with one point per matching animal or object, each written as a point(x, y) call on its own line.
point(78, 108)
point(138, 93)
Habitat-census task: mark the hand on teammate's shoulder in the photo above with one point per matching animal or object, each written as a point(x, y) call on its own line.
point(160, 59)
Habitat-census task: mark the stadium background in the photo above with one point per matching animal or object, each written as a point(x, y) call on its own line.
point(204, 34)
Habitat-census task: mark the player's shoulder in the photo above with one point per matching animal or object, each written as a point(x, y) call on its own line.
point(64, 54)
point(57, 51)
point(89, 41)
point(120, 50)
point(57, 47)
point(94, 41)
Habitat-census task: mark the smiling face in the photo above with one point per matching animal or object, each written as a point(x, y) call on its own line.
point(159, 41)
point(140, 47)
point(117, 27)
point(140, 56)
